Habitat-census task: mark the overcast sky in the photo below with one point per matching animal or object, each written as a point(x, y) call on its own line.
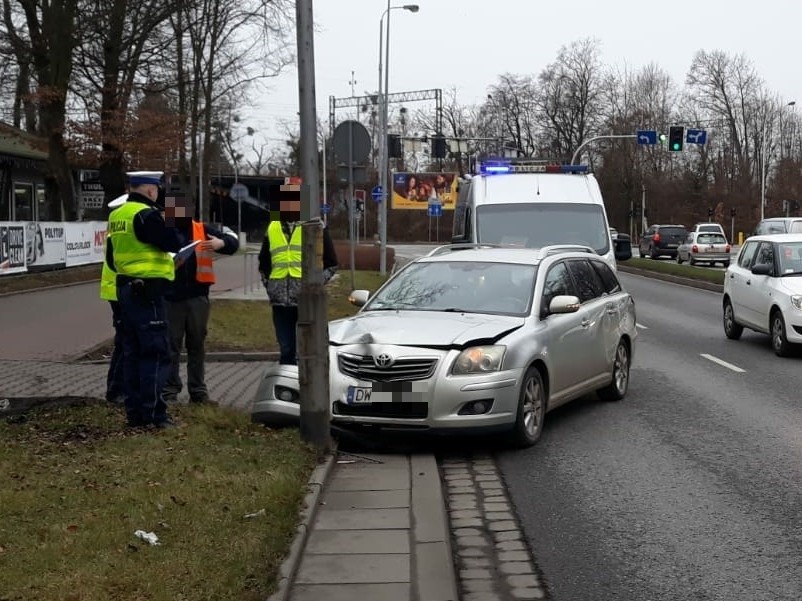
point(467, 43)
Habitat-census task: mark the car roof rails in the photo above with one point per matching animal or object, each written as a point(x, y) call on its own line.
point(461, 246)
point(554, 249)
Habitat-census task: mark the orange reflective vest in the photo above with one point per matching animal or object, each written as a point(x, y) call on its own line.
point(205, 270)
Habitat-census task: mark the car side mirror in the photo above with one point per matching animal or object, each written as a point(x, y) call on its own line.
point(762, 269)
point(622, 247)
point(564, 303)
point(359, 297)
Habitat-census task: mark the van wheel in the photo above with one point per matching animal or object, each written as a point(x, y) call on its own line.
point(617, 389)
point(531, 409)
point(779, 341)
point(732, 329)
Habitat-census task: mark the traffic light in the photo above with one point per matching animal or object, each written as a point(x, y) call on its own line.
point(709, 212)
point(438, 147)
point(675, 135)
point(662, 138)
point(732, 212)
point(394, 149)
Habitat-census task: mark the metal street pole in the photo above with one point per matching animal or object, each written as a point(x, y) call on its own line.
point(313, 330)
point(763, 173)
point(382, 139)
point(385, 167)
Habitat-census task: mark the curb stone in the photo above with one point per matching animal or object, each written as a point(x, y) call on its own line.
point(311, 503)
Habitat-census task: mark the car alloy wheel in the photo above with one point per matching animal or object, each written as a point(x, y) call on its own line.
point(531, 409)
point(617, 389)
point(732, 329)
point(779, 342)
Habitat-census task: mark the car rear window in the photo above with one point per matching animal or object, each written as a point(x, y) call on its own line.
point(710, 239)
point(709, 228)
point(673, 231)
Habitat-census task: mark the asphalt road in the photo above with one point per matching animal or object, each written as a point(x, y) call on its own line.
point(54, 324)
point(691, 487)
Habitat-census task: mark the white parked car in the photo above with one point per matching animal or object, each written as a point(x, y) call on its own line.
point(763, 290)
point(474, 339)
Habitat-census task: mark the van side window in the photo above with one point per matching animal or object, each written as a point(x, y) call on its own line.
point(747, 254)
point(462, 214)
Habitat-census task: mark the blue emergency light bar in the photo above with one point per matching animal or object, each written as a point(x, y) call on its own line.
point(497, 166)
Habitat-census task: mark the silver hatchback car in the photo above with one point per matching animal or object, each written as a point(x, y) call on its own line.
point(476, 339)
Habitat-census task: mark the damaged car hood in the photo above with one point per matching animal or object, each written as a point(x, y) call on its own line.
point(421, 328)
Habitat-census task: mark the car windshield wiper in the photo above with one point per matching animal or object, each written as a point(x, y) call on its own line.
point(454, 310)
point(393, 307)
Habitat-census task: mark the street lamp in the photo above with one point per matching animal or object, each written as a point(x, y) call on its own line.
point(384, 159)
point(763, 168)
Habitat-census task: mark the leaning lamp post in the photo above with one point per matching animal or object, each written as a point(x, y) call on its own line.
point(384, 158)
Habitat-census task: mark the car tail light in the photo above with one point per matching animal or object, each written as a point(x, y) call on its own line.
point(656, 238)
point(694, 249)
point(728, 248)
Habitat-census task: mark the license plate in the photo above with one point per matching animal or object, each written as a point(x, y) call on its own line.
point(671, 245)
point(356, 395)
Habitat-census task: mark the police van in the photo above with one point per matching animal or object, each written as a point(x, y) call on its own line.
point(530, 203)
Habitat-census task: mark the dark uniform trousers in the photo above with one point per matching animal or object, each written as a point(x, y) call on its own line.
point(146, 352)
point(115, 384)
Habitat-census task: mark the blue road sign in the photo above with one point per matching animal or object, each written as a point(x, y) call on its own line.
point(324, 208)
point(695, 136)
point(377, 193)
point(435, 209)
point(646, 136)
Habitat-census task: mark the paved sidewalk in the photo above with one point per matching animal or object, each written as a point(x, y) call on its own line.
point(380, 534)
point(231, 383)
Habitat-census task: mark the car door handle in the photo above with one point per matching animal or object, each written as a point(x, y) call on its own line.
point(748, 282)
point(611, 310)
point(732, 276)
point(585, 323)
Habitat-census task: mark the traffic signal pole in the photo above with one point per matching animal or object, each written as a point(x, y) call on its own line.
point(313, 331)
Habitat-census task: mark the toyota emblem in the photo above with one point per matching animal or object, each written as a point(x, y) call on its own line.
point(384, 360)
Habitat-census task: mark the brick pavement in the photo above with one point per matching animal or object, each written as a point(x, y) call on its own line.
point(231, 383)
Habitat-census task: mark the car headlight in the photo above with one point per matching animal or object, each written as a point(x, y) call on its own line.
point(479, 360)
point(796, 301)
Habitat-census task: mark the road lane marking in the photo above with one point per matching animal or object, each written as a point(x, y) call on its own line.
point(641, 326)
point(723, 363)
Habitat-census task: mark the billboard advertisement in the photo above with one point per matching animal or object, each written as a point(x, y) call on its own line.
point(80, 243)
point(416, 190)
point(45, 244)
point(12, 247)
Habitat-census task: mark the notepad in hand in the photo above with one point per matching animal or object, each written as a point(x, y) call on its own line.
point(186, 252)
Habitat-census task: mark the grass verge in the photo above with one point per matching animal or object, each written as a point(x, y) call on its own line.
point(77, 486)
point(671, 268)
point(43, 279)
point(236, 325)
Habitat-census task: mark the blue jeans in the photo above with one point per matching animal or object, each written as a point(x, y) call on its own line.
point(146, 352)
point(284, 320)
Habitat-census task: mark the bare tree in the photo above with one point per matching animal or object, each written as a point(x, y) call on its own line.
point(510, 110)
point(569, 97)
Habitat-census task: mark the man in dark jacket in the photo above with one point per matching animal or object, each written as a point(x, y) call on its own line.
point(280, 267)
point(188, 296)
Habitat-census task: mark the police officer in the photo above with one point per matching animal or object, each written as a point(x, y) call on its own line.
point(139, 243)
point(280, 266)
point(115, 384)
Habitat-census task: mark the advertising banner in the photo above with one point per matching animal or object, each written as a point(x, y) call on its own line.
point(99, 241)
point(80, 239)
point(12, 247)
point(45, 244)
point(416, 190)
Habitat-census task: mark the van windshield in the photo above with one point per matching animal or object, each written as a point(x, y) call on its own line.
point(535, 225)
